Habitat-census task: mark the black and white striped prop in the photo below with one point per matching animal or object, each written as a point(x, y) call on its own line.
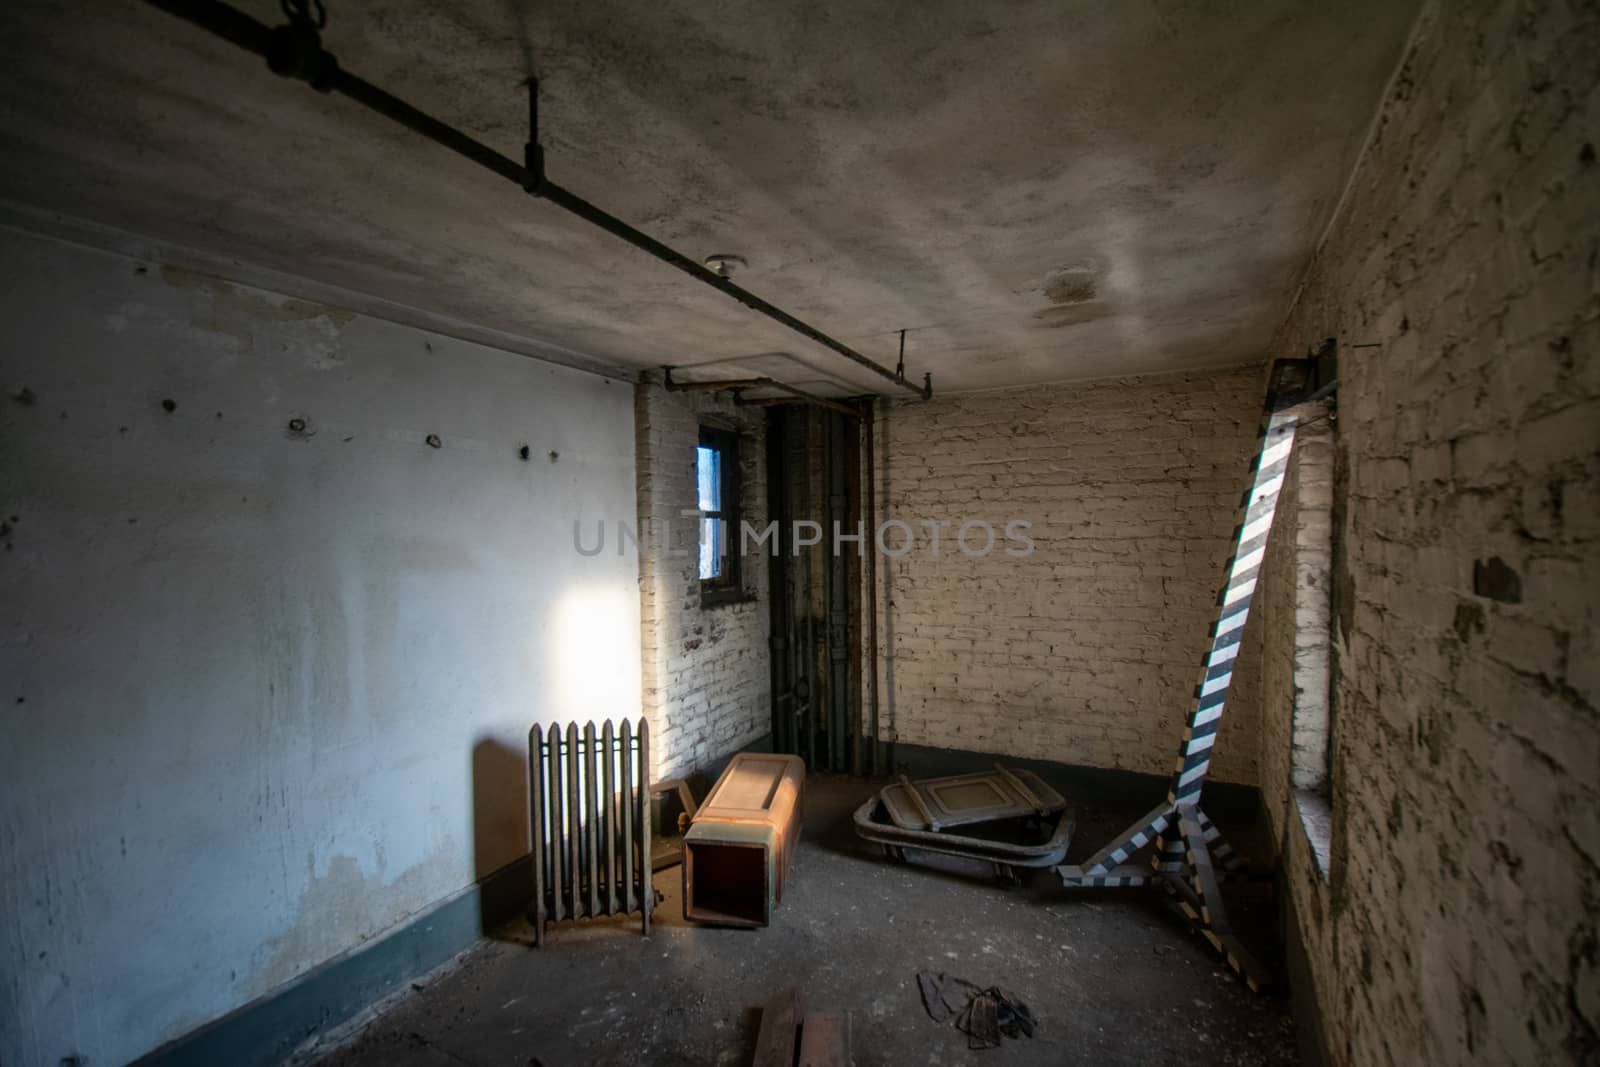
point(1185, 841)
point(1250, 549)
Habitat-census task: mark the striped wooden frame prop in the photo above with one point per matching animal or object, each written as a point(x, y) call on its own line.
point(1189, 855)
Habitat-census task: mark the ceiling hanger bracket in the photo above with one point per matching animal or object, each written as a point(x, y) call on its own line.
point(533, 151)
point(295, 50)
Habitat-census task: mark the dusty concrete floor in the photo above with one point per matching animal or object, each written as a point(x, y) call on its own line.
point(1113, 978)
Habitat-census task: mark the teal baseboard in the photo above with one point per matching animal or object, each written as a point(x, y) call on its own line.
point(265, 1031)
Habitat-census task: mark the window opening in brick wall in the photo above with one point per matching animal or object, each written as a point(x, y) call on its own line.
point(717, 483)
point(1316, 644)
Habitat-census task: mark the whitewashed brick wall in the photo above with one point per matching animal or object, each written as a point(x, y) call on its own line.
point(706, 687)
point(1459, 923)
point(1088, 651)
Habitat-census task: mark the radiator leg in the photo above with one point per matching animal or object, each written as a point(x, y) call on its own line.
point(647, 895)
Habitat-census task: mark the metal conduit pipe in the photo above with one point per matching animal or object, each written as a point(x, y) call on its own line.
point(738, 385)
point(870, 580)
point(295, 51)
point(812, 398)
point(786, 401)
point(721, 385)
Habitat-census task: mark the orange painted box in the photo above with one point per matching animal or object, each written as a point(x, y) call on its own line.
point(738, 850)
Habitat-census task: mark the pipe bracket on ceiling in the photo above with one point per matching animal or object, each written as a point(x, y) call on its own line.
point(295, 49)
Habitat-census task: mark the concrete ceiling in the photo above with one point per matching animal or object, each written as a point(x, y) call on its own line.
point(1037, 191)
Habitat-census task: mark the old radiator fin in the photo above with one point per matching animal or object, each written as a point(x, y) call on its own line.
point(589, 803)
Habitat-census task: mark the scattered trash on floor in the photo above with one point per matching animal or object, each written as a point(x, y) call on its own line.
point(673, 808)
point(984, 1015)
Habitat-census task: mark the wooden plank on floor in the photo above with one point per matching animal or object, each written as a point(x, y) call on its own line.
point(825, 1039)
point(775, 1042)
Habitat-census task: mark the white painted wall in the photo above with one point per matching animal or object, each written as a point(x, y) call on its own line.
point(266, 697)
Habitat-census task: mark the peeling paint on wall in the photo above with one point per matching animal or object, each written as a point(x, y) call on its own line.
point(258, 664)
point(341, 897)
point(1459, 921)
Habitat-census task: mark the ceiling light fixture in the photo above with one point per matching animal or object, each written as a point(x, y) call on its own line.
point(722, 264)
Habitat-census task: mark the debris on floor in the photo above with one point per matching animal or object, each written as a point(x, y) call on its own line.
point(673, 808)
point(1010, 819)
point(962, 799)
point(984, 1015)
point(851, 934)
point(819, 1039)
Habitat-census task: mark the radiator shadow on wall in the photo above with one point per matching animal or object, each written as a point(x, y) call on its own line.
point(499, 810)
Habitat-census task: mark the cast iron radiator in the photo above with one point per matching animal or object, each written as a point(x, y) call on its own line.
point(589, 799)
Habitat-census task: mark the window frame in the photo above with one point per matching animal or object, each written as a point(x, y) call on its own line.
point(1317, 480)
point(727, 587)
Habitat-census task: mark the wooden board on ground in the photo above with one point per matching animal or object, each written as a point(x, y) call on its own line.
point(775, 1042)
point(825, 1039)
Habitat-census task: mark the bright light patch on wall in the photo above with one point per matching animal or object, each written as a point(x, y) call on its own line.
point(596, 681)
point(595, 677)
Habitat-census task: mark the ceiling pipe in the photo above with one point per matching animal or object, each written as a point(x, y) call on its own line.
point(784, 401)
point(295, 51)
point(737, 386)
point(720, 385)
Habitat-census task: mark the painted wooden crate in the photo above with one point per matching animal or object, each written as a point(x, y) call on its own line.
point(739, 848)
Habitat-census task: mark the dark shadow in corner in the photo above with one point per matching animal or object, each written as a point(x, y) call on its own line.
point(500, 829)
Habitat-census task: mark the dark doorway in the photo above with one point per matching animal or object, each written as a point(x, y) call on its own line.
point(814, 486)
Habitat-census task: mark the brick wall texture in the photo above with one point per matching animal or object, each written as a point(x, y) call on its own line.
point(1458, 920)
point(1087, 651)
point(706, 687)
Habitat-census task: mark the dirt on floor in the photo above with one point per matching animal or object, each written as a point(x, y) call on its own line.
point(1112, 976)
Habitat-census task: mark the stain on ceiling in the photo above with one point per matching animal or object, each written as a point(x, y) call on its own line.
point(1036, 191)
